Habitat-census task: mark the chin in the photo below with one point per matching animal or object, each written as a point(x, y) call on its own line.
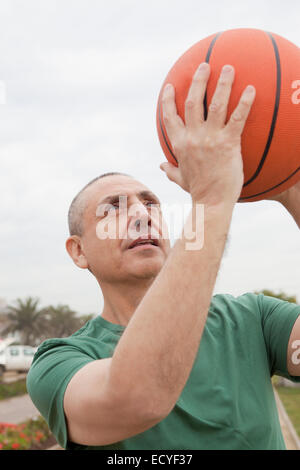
point(146, 269)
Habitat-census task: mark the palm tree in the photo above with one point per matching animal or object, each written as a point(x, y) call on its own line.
point(61, 321)
point(26, 319)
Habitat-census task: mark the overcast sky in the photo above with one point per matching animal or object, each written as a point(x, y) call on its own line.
point(82, 79)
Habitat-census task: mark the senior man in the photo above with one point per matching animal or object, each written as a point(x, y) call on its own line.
point(167, 364)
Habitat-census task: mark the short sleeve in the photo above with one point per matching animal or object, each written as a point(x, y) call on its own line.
point(278, 318)
point(53, 366)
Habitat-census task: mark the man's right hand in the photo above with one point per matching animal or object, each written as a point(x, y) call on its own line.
point(208, 152)
point(112, 399)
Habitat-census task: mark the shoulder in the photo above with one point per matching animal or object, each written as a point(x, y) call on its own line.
point(232, 306)
point(259, 305)
point(275, 317)
point(58, 359)
point(95, 339)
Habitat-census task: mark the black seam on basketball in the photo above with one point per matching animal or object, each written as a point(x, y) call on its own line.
point(163, 134)
point(275, 113)
point(273, 187)
point(209, 51)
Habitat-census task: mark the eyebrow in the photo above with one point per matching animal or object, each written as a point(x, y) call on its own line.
point(142, 195)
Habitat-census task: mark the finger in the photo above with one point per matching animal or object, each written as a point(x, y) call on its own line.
point(194, 108)
point(173, 123)
point(238, 118)
point(217, 110)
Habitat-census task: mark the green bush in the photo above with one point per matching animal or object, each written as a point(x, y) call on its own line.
point(24, 436)
point(290, 398)
point(13, 389)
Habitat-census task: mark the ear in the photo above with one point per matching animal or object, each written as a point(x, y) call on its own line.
point(75, 250)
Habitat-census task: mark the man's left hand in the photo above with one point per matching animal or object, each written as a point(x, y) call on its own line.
point(290, 199)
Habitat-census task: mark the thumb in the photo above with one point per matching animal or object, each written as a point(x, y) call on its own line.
point(173, 173)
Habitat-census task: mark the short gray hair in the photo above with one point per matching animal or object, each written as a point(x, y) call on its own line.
point(77, 207)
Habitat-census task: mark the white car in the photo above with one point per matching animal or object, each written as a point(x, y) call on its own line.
point(16, 358)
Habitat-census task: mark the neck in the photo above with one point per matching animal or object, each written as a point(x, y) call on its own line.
point(121, 300)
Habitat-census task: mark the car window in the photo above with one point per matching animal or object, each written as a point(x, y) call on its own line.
point(28, 352)
point(14, 352)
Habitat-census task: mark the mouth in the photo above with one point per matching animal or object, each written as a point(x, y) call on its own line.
point(141, 243)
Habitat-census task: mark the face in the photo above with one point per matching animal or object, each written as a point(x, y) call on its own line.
point(124, 234)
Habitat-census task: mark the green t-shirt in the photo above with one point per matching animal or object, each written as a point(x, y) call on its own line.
point(228, 401)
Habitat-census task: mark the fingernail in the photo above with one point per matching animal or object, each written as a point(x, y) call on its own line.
point(227, 68)
point(204, 66)
point(250, 89)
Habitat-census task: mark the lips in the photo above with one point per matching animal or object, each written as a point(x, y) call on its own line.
point(143, 241)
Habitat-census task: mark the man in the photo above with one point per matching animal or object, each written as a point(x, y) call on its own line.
point(167, 365)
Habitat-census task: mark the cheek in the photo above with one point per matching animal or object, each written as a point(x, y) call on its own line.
point(159, 224)
point(122, 226)
point(112, 227)
point(167, 246)
point(106, 228)
point(104, 258)
point(165, 232)
point(100, 246)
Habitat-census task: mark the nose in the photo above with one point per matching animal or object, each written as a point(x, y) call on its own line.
point(139, 220)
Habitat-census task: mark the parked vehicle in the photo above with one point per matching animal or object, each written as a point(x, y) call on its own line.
point(16, 358)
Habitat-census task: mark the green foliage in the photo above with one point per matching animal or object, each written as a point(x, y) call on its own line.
point(61, 321)
point(30, 434)
point(290, 398)
point(280, 295)
point(12, 389)
point(35, 324)
point(24, 318)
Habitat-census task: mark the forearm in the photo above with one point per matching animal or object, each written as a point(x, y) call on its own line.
point(295, 213)
point(291, 201)
point(155, 354)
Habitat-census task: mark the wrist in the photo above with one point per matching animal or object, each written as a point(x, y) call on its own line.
point(213, 205)
point(216, 197)
point(212, 220)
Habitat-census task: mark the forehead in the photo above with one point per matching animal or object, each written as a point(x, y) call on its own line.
point(113, 185)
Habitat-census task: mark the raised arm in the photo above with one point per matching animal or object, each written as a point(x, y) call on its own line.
point(290, 199)
point(293, 353)
point(113, 399)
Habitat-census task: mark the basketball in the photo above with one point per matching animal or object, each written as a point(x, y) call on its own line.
point(271, 137)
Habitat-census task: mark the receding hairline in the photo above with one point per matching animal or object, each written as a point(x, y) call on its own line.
point(77, 207)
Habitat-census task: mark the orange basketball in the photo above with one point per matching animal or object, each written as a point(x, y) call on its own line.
point(271, 137)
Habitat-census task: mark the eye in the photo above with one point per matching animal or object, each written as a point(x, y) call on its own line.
point(112, 208)
point(152, 203)
point(104, 210)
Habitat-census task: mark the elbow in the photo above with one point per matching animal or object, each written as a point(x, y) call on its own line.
point(149, 410)
point(140, 402)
